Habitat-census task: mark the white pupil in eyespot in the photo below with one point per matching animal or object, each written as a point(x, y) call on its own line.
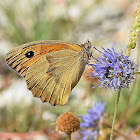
point(29, 54)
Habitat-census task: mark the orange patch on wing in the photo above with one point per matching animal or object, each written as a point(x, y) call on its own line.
point(45, 48)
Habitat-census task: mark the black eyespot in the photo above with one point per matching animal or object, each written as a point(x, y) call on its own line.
point(29, 54)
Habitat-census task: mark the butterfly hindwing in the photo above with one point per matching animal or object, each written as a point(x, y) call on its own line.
point(54, 75)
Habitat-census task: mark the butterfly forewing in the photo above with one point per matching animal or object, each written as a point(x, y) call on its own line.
point(51, 68)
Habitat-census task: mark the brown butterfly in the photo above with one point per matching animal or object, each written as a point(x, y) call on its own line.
point(51, 68)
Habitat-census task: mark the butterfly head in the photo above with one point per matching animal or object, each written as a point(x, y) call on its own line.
point(88, 45)
point(87, 48)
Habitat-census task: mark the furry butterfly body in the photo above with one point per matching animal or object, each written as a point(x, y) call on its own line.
point(51, 68)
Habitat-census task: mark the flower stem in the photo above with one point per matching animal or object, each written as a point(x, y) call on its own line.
point(115, 114)
point(69, 136)
point(138, 72)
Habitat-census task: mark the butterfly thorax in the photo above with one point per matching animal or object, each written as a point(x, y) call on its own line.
point(86, 52)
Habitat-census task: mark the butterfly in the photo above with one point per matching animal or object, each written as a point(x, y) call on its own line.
point(51, 68)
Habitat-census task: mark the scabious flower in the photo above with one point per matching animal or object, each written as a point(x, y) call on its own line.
point(91, 122)
point(114, 70)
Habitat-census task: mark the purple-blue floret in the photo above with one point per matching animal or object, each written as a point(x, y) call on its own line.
point(91, 121)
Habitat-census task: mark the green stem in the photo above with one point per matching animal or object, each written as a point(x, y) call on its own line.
point(115, 114)
point(138, 72)
point(69, 136)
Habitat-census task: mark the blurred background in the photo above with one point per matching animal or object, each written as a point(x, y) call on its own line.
point(102, 21)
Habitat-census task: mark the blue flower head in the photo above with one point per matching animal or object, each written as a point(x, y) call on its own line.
point(114, 70)
point(91, 121)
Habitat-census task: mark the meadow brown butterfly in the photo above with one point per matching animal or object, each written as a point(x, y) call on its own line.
point(51, 68)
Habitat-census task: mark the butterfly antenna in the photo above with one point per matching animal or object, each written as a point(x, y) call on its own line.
point(92, 31)
point(88, 38)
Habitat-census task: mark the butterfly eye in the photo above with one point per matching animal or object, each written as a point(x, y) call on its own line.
point(29, 54)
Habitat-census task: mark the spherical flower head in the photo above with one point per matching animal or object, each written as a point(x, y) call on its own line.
point(67, 122)
point(92, 121)
point(114, 70)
